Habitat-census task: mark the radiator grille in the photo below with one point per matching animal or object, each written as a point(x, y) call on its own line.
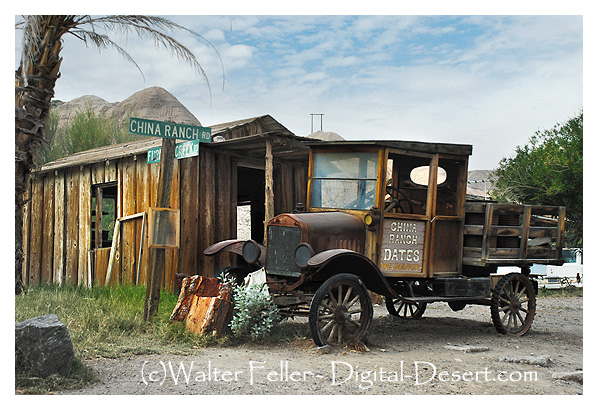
point(279, 254)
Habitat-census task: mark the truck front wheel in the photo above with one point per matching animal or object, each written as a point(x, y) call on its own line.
point(341, 311)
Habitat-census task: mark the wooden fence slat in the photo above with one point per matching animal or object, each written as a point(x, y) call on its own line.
point(128, 249)
point(48, 230)
point(171, 266)
point(26, 232)
point(59, 227)
point(141, 205)
point(223, 206)
point(300, 185)
point(84, 224)
point(98, 173)
point(189, 186)
point(72, 226)
point(110, 172)
point(206, 211)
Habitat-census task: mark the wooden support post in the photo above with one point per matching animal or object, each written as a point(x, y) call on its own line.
point(98, 223)
point(269, 206)
point(158, 255)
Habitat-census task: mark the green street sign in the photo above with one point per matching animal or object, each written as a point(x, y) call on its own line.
point(162, 129)
point(182, 150)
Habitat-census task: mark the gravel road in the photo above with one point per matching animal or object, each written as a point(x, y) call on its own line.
point(444, 352)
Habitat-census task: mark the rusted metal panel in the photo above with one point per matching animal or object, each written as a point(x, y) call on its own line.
point(327, 230)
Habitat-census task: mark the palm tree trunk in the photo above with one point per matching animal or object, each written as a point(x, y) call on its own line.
point(35, 80)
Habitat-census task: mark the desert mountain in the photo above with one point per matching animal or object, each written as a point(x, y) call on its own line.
point(152, 103)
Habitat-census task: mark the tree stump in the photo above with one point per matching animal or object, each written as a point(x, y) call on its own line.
point(204, 305)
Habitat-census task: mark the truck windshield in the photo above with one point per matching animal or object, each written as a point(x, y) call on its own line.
point(344, 180)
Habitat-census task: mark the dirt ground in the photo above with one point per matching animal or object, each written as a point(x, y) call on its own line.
point(444, 352)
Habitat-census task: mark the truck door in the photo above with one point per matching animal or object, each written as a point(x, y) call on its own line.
point(421, 228)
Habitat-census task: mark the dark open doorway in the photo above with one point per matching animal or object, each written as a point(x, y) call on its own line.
point(250, 203)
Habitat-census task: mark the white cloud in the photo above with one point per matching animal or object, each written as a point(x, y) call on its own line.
point(490, 81)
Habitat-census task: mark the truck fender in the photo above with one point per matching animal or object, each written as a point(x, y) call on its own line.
point(234, 246)
point(330, 262)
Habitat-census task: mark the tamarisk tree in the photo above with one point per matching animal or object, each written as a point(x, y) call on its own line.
point(547, 171)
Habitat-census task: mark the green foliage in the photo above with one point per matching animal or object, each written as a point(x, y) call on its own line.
point(87, 130)
point(255, 313)
point(79, 376)
point(561, 292)
point(547, 171)
point(103, 321)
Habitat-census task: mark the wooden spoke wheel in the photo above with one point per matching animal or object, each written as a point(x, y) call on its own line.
point(341, 311)
point(513, 304)
point(405, 310)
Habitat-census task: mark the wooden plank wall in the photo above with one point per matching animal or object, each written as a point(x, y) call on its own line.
point(57, 219)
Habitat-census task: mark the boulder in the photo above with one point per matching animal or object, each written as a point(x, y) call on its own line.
point(43, 344)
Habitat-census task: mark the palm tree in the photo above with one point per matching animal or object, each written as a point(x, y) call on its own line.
point(39, 70)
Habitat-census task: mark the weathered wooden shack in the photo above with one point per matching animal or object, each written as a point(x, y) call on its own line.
point(63, 244)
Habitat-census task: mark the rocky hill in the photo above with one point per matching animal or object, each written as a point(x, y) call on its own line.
point(158, 104)
point(153, 103)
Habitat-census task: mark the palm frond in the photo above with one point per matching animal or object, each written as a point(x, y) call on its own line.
point(151, 27)
point(102, 41)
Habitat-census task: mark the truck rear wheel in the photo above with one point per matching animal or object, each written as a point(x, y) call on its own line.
point(513, 304)
point(341, 311)
point(408, 311)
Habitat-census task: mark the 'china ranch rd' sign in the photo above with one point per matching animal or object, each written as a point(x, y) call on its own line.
point(162, 129)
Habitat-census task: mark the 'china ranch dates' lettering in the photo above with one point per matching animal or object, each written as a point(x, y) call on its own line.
point(403, 246)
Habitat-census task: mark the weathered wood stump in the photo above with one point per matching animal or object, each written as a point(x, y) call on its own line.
point(204, 305)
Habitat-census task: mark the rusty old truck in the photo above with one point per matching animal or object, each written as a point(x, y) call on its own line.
point(393, 218)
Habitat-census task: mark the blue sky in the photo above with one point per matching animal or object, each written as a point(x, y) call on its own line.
point(486, 80)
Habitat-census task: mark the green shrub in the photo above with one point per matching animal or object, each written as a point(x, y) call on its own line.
point(255, 314)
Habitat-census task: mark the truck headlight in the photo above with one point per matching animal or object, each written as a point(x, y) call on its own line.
point(302, 254)
point(250, 251)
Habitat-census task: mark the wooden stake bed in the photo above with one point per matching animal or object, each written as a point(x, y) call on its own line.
point(507, 234)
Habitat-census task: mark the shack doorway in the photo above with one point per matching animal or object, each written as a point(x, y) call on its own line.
point(250, 203)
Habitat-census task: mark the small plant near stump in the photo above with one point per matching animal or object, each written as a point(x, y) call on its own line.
point(255, 314)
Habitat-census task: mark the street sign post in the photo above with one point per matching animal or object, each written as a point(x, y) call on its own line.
point(162, 129)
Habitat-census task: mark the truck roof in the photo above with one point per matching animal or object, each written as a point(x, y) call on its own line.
point(441, 148)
